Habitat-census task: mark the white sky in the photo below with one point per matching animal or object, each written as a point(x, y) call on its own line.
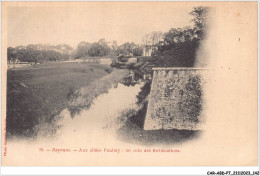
point(72, 23)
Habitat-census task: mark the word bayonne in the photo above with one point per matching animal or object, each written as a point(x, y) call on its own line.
point(58, 150)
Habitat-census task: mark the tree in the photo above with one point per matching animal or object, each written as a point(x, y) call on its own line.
point(40, 58)
point(11, 54)
point(180, 44)
point(114, 45)
point(200, 19)
point(156, 37)
point(114, 48)
point(188, 33)
point(138, 51)
point(173, 36)
point(32, 47)
point(147, 44)
point(83, 49)
point(30, 54)
point(126, 48)
point(105, 49)
point(99, 48)
point(151, 42)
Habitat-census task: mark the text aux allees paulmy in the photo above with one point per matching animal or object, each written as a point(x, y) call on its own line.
point(107, 150)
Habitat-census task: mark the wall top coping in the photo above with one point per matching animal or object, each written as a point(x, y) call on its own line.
point(179, 68)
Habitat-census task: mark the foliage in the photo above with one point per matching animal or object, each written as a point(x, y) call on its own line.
point(138, 51)
point(129, 49)
point(36, 54)
point(143, 94)
point(11, 54)
point(181, 54)
point(200, 19)
point(151, 42)
point(99, 48)
point(178, 46)
point(83, 49)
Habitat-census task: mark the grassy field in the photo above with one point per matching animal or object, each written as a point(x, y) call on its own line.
point(36, 94)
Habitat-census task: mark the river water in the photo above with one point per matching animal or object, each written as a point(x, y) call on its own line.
point(102, 117)
point(103, 127)
point(95, 127)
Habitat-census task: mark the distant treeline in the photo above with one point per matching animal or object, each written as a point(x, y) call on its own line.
point(39, 53)
point(175, 48)
point(104, 48)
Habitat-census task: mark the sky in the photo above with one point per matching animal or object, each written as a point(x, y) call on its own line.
point(71, 23)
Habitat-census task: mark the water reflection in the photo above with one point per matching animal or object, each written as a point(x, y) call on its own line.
point(102, 118)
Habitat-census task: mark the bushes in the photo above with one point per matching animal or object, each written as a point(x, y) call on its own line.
point(178, 55)
point(143, 59)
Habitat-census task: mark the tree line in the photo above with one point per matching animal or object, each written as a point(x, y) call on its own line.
point(104, 48)
point(174, 48)
point(177, 47)
point(39, 53)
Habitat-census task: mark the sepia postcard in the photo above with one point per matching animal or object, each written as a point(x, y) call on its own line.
point(129, 83)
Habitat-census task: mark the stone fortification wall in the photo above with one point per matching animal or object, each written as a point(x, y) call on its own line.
point(176, 99)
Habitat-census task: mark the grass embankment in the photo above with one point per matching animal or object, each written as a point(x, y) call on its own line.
point(36, 94)
point(83, 98)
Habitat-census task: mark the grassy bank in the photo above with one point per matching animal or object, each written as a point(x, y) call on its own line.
point(36, 94)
